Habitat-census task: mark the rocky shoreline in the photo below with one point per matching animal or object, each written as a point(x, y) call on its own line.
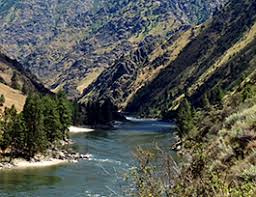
point(53, 156)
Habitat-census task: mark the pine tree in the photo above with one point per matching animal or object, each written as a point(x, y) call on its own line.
point(205, 102)
point(76, 114)
point(185, 118)
point(18, 135)
point(2, 100)
point(65, 113)
point(216, 95)
point(107, 109)
point(35, 136)
point(52, 123)
point(7, 125)
point(90, 113)
point(25, 89)
point(219, 94)
point(248, 92)
point(15, 81)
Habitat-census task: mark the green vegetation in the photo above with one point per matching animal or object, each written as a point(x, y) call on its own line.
point(95, 113)
point(218, 143)
point(15, 81)
point(203, 67)
point(43, 122)
point(2, 100)
point(185, 118)
point(64, 107)
point(223, 159)
point(155, 175)
point(25, 89)
point(217, 127)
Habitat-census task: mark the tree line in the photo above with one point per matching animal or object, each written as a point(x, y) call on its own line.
point(44, 121)
point(95, 113)
point(185, 115)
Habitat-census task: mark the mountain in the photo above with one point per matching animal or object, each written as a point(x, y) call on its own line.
point(140, 65)
point(16, 83)
point(221, 54)
point(69, 44)
point(209, 88)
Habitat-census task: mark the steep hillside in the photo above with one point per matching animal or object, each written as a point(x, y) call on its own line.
point(210, 91)
point(218, 145)
point(220, 57)
point(13, 71)
point(12, 97)
point(16, 83)
point(68, 44)
point(130, 73)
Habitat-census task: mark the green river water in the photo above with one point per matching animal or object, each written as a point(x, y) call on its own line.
point(102, 175)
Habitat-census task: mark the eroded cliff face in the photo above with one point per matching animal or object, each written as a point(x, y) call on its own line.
point(69, 44)
point(16, 83)
point(154, 51)
point(192, 62)
point(221, 57)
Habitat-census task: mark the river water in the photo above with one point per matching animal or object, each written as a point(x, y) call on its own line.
point(103, 175)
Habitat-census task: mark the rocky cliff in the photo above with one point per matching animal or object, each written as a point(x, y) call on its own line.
point(69, 44)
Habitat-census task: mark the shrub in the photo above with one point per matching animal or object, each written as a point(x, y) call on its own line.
point(2, 100)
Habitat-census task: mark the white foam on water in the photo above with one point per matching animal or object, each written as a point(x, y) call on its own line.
point(139, 119)
point(106, 161)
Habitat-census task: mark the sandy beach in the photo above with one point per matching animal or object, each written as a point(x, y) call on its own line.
point(74, 129)
point(21, 163)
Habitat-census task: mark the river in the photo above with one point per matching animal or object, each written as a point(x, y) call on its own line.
point(103, 175)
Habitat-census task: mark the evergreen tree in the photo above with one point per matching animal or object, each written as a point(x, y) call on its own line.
point(43, 121)
point(216, 95)
point(107, 109)
point(76, 114)
point(15, 81)
point(95, 113)
point(90, 113)
point(52, 125)
point(65, 113)
point(185, 118)
point(18, 135)
point(249, 91)
point(205, 101)
point(98, 112)
point(35, 137)
point(7, 126)
point(219, 94)
point(2, 100)
point(25, 89)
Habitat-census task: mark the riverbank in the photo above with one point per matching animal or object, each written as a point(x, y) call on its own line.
point(20, 163)
point(56, 155)
point(111, 156)
point(52, 157)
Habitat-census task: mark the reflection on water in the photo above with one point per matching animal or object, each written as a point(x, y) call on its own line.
point(19, 180)
point(102, 175)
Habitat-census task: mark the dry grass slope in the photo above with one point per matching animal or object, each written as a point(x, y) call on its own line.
point(12, 97)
